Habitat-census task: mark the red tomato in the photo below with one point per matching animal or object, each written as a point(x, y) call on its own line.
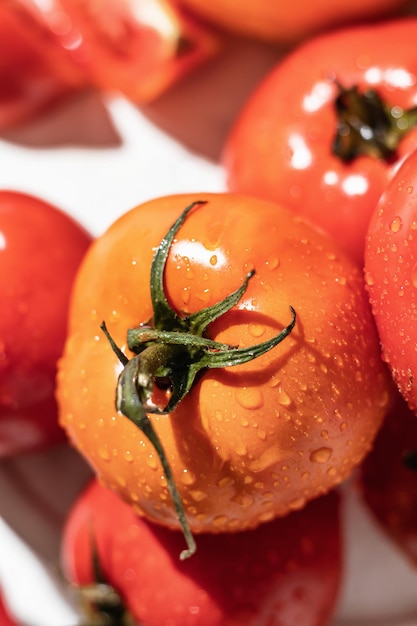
point(35, 72)
point(316, 135)
point(250, 442)
point(40, 250)
point(287, 573)
point(286, 22)
point(137, 47)
point(388, 480)
point(391, 276)
point(6, 618)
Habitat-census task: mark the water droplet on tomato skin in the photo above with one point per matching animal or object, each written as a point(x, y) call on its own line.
point(249, 397)
point(395, 224)
point(321, 455)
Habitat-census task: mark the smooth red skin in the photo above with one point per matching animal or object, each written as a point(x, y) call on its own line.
point(5, 617)
point(40, 251)
point(388, 486)
point(391, 276)
point(275, 130)
point(36, 71)
point(287, 572)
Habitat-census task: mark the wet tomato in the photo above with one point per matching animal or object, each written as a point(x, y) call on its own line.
point(391, 271)
point(287, 23)
point(40, 250)
point(388, 478)
point(287, 572)
point(245, 443)
point(327, 128)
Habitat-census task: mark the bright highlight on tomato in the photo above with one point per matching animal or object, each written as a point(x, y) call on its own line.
point(246, 443)
point(325, 131)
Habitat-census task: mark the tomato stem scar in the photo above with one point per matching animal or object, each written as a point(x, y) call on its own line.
point(174, 348)
point(367, 125)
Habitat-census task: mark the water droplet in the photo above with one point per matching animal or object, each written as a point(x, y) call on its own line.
point(414, 275)
point(128, 456)
point(297, 504)
point(104, 454)
point(213, 259)
point(226, 481)
point(249, 397)
point(395, 224)
point(256, 330)
point(198, 495)
point(369, 279)
point(273, 263)
point(410, 189)
point(218, 415)
point(187, 477)
point(220, 520)
point(321, 455)
point(283, 398)
point(152, 461)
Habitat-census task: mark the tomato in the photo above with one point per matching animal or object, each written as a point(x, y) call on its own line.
point(40, 250)
point(388, 480)
point(35, 71)
point(138, 48)
point(283, 22)
point(288, 572)
point(390, 271)
point(5, 618)
point(246, 443)
point(324, 132)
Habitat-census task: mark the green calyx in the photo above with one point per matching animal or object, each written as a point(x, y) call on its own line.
point(367, 126)
point(169, 353)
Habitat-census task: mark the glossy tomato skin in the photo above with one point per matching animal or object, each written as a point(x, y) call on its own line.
point(390, 273)
point(250, 442)
point(388, 484)
point(36, 71)
point(282, 22)
point(137, 48)
point(40, 251)
point(280, 147)
point(6, 618)
point(287, 572)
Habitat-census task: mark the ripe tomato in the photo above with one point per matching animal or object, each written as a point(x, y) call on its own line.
point(281, 21)
point(325, 131)
point(5, 618)
point(40, 250)
point(250, 442)
point(388, 483)
point(35, 71)
point(286, 573)
point(390, 271)
point(137, 47)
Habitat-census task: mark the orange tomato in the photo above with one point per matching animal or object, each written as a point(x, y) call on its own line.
point(247, 443)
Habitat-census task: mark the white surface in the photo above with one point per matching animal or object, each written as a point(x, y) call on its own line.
point(96, 158)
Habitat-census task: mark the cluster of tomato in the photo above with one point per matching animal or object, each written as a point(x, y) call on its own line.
point(225, 366)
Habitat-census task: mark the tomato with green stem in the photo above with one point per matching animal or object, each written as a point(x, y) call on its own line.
point(327, 142)
point(287, 572)
point(245, 441)
point(40, 251)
